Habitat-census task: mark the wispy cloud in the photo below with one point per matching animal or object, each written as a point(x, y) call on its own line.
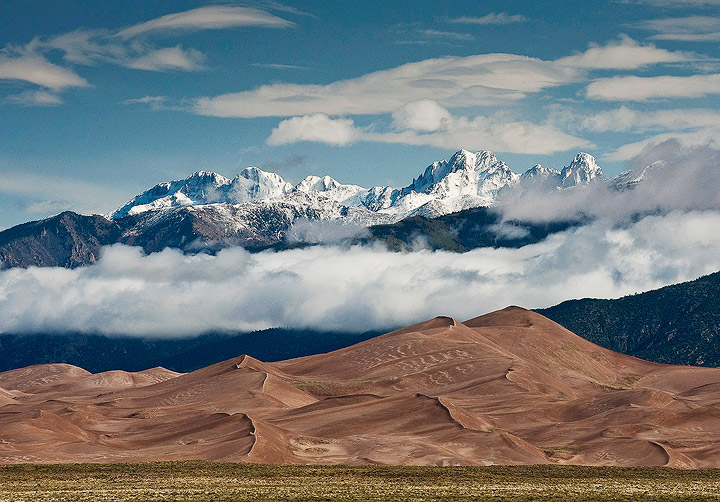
point(28, 66)
point(154, 102)
point(33, 98)
point(623, 54)
point(446, 35)
point(213, 17)
point(486, 79)
point(123, 48)
point(633, 88)
point(687, 29)
point(170, 58)
point(625, 118)
point(277, 66)
point(496, 18)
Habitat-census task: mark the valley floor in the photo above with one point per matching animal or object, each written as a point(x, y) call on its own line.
point(201, 481)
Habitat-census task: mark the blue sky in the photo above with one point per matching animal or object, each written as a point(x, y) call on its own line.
point(99, 100)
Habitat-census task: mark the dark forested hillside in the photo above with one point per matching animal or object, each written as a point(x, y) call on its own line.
point(677, 324)
point(101, 353)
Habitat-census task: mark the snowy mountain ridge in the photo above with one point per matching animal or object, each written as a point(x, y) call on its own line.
point(464, 181)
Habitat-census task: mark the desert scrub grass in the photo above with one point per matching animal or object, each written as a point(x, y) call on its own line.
point(202, 481)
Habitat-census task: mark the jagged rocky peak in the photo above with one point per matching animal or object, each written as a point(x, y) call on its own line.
point(254, 183)
point(538, 171)
point(317, 184)
point(582, 170)
point(466, 173)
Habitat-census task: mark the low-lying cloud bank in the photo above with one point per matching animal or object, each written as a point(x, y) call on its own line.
point(358, 288)
point(674, 178)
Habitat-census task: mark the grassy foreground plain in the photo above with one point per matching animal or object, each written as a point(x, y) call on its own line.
point(203, 481)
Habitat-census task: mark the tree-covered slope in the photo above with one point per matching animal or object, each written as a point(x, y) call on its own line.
point(678, 324)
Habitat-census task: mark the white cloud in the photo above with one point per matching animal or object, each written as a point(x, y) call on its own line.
point(170, 58)
point(427, 123)
point(35, 69)
point(687, 29)
point(478, 132)
point(277, 66)
point(499, 18)
point(625, 118)
point(447, 35)
point(708, 136)
point(317, 127)
point(624, 54)
point(212, 17)
point(687, 180)
point(633, 88)
point(33, 98)
point(170, 294)
point(486, 79)
point(423, 115)
point(452, 81)
point(155, 102)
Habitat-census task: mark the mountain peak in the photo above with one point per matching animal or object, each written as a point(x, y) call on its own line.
point(582, 170)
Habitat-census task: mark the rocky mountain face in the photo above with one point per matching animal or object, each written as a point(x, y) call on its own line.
point(66, 240)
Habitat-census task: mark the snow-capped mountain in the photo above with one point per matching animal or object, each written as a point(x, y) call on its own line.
point(582, 170)
point(466, 180)
point(630, 179)
point(205, 187)
point(258, 208)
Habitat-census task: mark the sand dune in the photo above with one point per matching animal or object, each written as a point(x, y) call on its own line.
point(509, 387)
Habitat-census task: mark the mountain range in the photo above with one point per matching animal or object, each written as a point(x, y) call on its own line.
point(258, 210)
point(510, 387)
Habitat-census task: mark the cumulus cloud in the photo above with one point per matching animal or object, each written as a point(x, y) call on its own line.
point(427, 123)
point(423, 115)
point(359, 288)
point(496, 18)
point(687, 29)
point(317, 127)
point(212, 17)
point(633, 88)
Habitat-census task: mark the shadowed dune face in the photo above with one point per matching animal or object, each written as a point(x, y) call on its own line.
point(510, 387)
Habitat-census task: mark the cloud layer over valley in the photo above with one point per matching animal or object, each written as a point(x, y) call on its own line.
point(355, 289)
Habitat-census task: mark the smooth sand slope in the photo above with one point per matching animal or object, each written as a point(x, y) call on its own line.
point(510, 387)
